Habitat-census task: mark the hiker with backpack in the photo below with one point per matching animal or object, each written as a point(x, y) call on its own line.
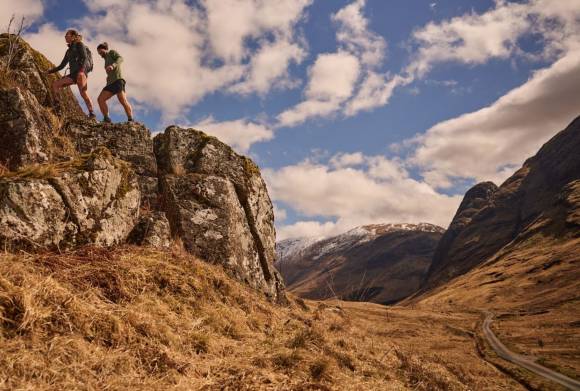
point(80, 61)
point(115, 82)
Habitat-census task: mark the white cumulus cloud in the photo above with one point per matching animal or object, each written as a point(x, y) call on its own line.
point(239, 134)
point(177, 52)
point(30, 10)
point(378, 190)
point(332, 79)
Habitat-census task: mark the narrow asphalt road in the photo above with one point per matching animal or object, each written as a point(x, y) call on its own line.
point(524, 361)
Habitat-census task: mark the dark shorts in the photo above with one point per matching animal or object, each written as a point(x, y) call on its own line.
point(73, 76)
point(115, 87)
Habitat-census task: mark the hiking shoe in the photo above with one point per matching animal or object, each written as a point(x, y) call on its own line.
point(92, 115)
point(130, 119)
point(107, 120)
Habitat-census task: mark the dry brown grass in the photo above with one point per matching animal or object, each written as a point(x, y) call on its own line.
point(133, 318)
point(532, 286)
point(51, 170)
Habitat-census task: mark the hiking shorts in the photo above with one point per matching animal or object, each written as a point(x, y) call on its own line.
point(73, 76)
point(115, 87)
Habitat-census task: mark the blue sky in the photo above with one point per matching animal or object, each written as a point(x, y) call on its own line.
point(458, 91)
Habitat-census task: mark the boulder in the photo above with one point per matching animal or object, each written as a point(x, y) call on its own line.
point(152, 230)
point(24, 129)
point(218, 203)
point(93, 200)
point(129, 141)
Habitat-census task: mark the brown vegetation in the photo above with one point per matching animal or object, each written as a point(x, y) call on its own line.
point(133, 318)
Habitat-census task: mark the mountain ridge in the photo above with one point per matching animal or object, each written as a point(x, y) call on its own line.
point(326, 268)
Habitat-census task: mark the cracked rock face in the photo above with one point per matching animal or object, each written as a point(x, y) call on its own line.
point(130, 142)
point(217, 202)
point(24, 129)
point(152, 230)
point(94, 202)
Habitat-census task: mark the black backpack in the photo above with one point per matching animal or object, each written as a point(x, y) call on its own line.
point(89, 63)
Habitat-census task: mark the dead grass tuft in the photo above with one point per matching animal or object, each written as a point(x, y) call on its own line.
point(319, 369)
point(286, 360)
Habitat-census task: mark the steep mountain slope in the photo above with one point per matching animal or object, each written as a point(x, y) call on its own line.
point(540, 198)
point(515, 251)
point(378, 263)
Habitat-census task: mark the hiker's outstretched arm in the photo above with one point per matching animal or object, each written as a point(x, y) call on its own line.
point(61, 66)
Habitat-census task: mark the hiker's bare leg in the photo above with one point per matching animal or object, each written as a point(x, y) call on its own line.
point(125, 102)
point(61, 83)
point(104, 96)
point(83, 87)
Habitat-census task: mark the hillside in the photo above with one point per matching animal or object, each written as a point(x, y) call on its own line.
point(377, 263)
point(539, 199)
point(516, 250)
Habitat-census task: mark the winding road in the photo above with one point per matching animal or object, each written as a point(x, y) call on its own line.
point(524, 361)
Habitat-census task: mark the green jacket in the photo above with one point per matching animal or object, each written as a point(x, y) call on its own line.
point(113, 58)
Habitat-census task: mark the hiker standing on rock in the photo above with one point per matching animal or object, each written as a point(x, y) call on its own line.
point(80, 62)
point(115, 82)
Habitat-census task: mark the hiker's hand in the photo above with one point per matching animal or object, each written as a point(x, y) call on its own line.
point(109, 68)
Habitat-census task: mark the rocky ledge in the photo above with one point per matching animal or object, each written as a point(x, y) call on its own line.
point(66, 181)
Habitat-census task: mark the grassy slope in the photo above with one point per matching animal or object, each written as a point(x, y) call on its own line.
point(133, 318)
point(533, 286)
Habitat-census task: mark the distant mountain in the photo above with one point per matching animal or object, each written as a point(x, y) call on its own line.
point(381, 263)
point(541, 199)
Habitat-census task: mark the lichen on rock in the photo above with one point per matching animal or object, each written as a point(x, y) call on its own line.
point(81, 204)
point(201, 178)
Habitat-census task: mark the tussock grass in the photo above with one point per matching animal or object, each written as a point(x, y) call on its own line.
point(51, 170)
point(137, 318)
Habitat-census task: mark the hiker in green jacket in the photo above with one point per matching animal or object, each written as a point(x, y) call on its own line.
point(115, 82)
point(79, 65)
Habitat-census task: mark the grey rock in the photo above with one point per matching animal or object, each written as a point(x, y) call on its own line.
point(152, 230)
point(127, 141)
point(30, 114)
point(93, 201)
point(25, 130)
point(226, 201)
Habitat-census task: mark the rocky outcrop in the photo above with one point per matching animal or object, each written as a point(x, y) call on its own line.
point(67, 181)
point(382, 263)
point(127, 141)
point(152, 230)
point(30, 114)
point(91, 201)
point(27, 71)
point(26, 130)
point(543, 195)
point(217, 202)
